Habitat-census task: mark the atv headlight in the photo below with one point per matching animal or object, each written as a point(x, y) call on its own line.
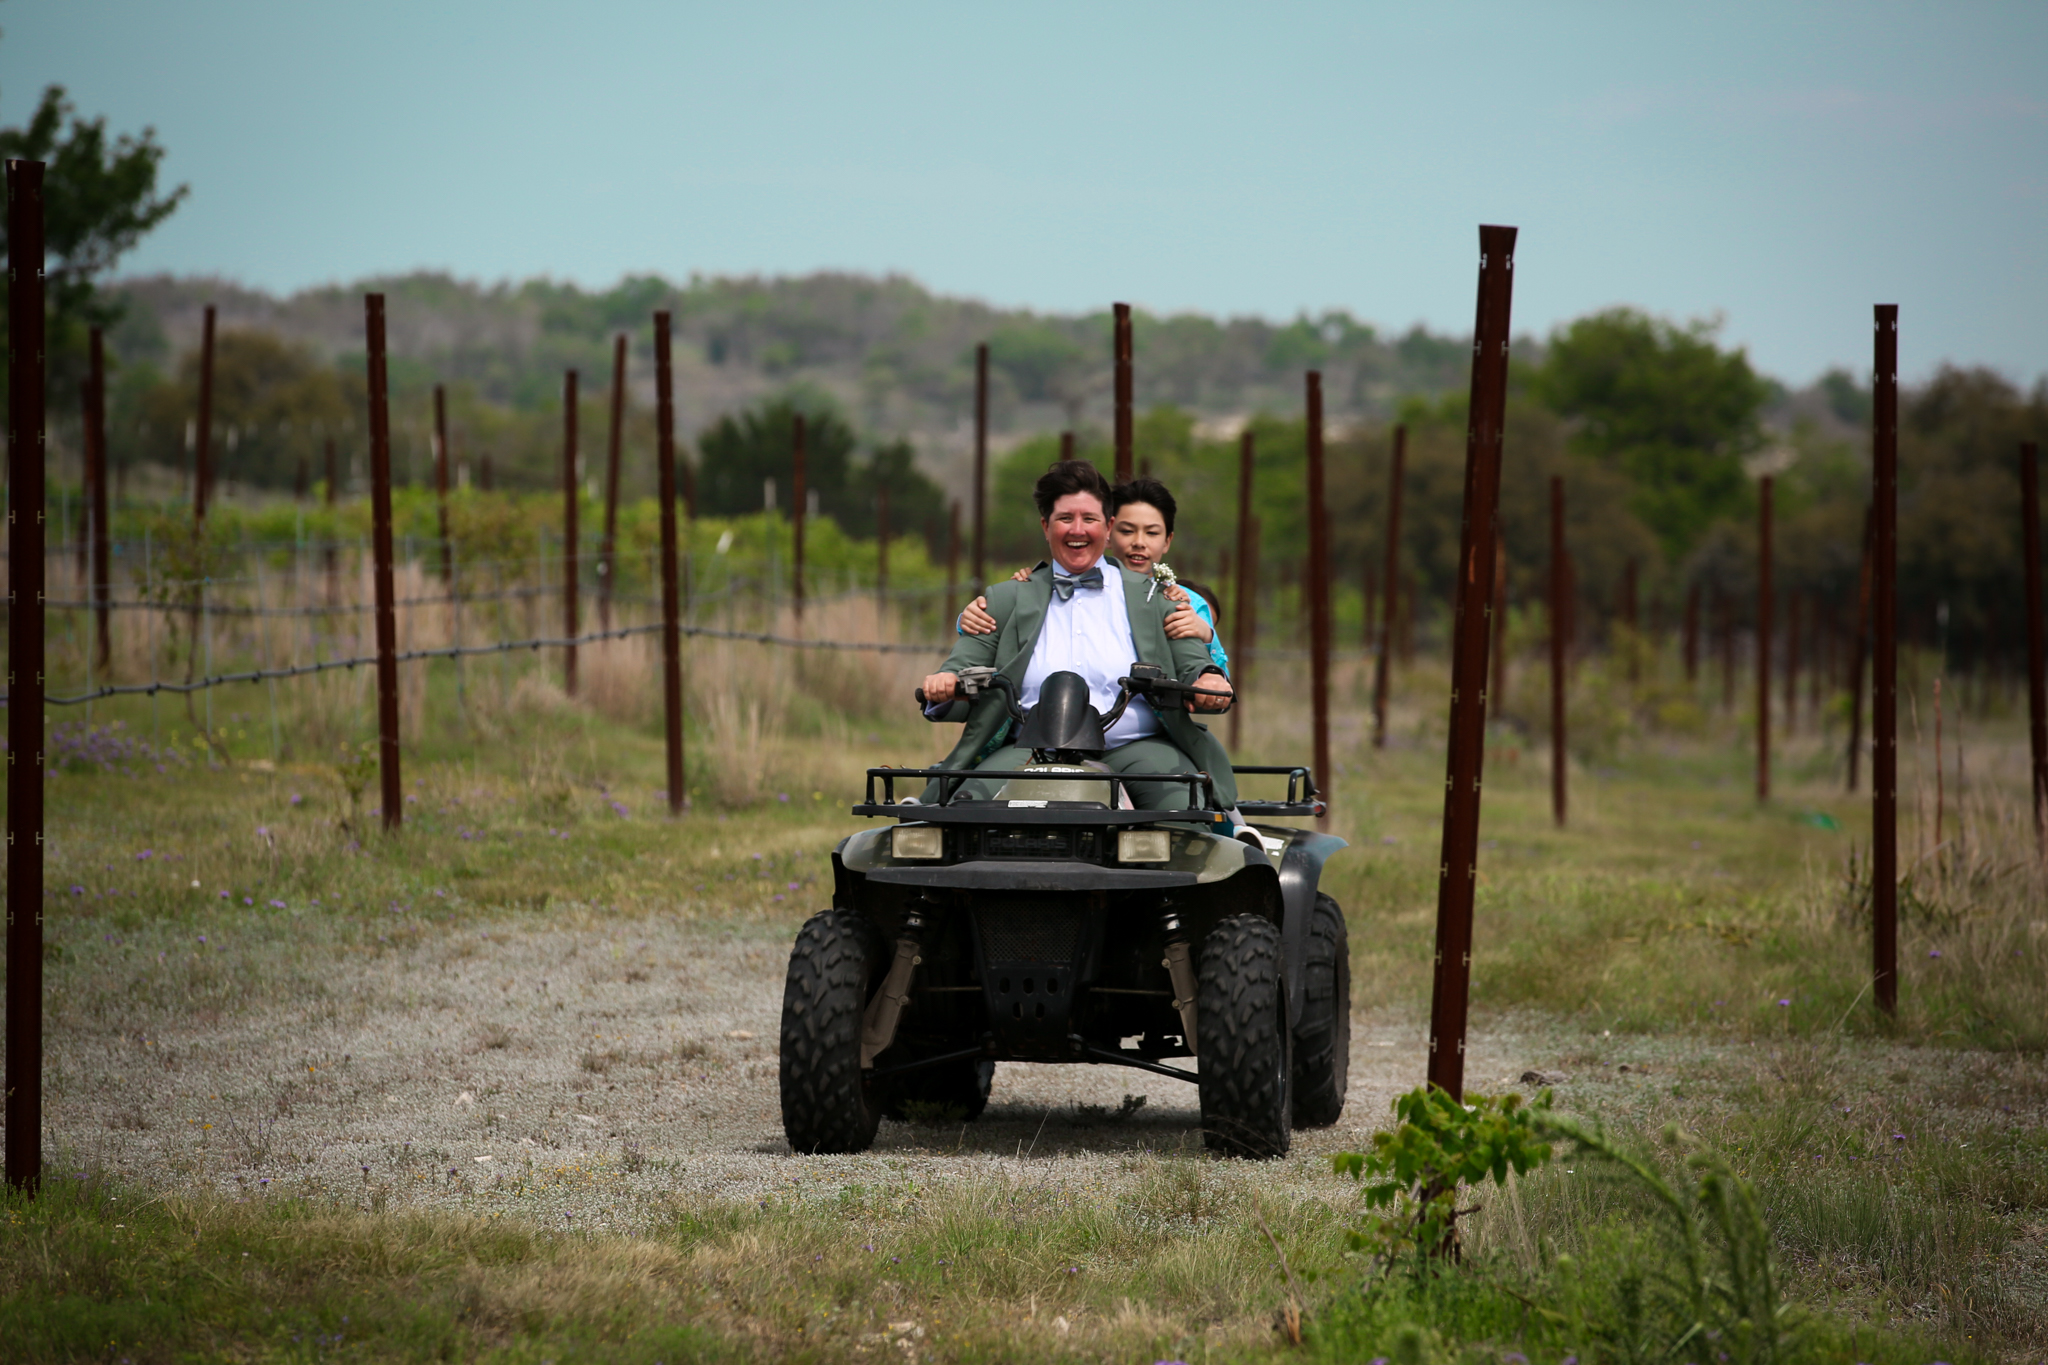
point(917, 841)
point(1143, 846)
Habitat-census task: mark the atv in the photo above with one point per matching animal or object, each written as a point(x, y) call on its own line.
point(1055, 922)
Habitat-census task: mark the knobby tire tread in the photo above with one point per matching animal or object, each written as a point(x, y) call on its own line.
point(833, 966)
point(1245, 1056)
point(1322, 1036)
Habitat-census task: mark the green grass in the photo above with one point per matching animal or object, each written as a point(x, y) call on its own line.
point(1899, 1249)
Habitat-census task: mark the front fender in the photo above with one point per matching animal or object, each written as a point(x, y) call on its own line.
point(1301, 874)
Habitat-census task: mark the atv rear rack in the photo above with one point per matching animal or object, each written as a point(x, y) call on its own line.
point(1303, 796)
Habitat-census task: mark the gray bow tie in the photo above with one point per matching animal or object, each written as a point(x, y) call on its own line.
point(1065, 586)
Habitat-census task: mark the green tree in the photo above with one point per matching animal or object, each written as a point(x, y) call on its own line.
point(273, 405)
point(1667, 407)
point(738, 453)
point(915, 501)
point(99, 198)
point(1042, 362)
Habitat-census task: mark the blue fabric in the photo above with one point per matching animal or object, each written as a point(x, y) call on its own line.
point(1216, 654)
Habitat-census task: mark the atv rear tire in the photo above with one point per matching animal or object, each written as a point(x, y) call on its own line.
point(1244, 1046)
point(960, 1086)
point(1322, 1035)
point(833, 969)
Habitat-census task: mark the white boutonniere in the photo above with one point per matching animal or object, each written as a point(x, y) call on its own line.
point(1162, 572)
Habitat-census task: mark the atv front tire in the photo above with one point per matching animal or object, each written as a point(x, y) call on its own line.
point(1322, 1036)
point(1244, 1049)
point(833, 969)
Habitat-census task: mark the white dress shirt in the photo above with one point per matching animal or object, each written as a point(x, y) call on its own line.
point(1090, 634)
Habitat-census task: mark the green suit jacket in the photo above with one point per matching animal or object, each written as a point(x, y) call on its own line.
point(1019, 609)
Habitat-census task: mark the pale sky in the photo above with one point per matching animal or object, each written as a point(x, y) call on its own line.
point(1782, 165)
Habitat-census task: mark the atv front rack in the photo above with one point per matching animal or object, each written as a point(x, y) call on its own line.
point(1303, 797)
point(950, 780)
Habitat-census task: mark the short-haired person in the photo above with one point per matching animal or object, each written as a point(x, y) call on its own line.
point(1082, 614)
point(1141, 517)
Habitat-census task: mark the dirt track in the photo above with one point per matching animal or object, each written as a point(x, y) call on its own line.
point(598, 1077)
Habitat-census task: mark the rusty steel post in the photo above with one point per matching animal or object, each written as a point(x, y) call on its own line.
point(202, 450)
point(671, 594)
point(570, 403)
point(1382, 666)
point(607, 551)
point(1066, 445)
point(1884, 691)
point(96, 424)
point(1560, 580)
point(26, 493)
point(1692, 632)
point(380, 550)
point(1458, 862)
point(1242, 640)
point(441, 460)
point(2037, 669)
point(981, 468)
point(1318, 575)
point(1763, 639)
point(799, 497)
point(1121, 348)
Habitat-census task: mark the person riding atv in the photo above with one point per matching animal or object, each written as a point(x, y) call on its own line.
point(1084, 614)
point(1067, 888)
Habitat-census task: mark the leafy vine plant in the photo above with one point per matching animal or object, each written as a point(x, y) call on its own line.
point(1726, 1279)
point(1415, 1172)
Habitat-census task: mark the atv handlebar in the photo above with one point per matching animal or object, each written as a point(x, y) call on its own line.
point(973, 680)
point(1146, 680)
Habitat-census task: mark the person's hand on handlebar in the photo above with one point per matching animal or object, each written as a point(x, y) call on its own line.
point(1213, 693)
point(940, 687)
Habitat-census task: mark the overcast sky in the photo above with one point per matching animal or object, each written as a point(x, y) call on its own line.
point(1782, 165)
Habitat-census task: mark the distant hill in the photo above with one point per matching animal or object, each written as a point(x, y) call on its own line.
point(897, 358)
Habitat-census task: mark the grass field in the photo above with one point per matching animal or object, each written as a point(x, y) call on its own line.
point(1677, 954)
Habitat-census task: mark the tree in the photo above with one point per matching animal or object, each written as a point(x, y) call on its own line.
point(273, 405)
point(1665, 406)
point(736, 455)
point(915, 502)
point(99, 198)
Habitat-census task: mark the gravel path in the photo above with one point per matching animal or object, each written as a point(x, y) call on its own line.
point(608, 1076)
